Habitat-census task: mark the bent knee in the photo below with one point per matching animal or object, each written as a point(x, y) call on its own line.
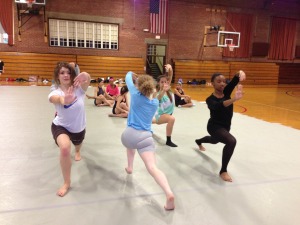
point(232, 141)
point(65, 151)
point(171, 119)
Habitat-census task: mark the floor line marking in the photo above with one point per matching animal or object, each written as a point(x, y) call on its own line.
point(138, 196)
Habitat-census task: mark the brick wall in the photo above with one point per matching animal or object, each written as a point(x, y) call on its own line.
point(184, 39)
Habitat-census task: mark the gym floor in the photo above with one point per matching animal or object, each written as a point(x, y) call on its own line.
point(264, 167)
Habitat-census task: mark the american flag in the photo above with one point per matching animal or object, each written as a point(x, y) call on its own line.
point(158, 16)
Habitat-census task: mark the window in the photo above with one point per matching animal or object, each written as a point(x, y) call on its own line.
point(78, 34)
point(3, 36)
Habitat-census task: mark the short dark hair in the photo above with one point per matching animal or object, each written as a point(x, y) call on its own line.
point(214, 76)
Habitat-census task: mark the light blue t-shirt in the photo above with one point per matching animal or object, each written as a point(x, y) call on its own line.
point(142, 109)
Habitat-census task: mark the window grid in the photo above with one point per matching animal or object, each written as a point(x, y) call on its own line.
point(151, 50)
point(63, 33)
point(98, 43)
point(105, 37)
point(78, 34)
point(71, 34)
point(53, 29)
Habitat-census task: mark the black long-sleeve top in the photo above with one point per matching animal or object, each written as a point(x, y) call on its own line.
point(219, 114)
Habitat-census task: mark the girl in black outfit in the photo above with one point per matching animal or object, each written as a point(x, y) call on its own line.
point(220, 105)
point(121, 107)
point(181, 100)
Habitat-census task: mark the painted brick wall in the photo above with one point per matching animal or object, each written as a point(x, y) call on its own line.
point(184, 39)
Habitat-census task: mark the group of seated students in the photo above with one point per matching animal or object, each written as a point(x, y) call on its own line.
point(102, 96)
point(117, 98)
point(111, 96)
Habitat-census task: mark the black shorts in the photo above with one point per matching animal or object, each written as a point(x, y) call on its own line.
point(180, 102)
point(76, 138)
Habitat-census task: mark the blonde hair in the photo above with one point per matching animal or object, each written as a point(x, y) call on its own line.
point(145, 85)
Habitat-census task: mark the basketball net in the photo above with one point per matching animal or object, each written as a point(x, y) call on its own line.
point(30, 3)
point(231, 47)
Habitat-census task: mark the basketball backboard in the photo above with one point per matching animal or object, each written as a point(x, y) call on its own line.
point(226, 38)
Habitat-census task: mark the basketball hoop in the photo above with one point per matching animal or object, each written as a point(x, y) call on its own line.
point(29, 3)
point(231, 47)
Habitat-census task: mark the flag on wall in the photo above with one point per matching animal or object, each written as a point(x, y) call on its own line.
point(158, 16)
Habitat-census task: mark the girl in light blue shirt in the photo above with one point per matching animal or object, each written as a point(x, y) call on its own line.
point(138, 134)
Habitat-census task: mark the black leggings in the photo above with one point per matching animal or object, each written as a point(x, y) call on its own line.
point(221, 135)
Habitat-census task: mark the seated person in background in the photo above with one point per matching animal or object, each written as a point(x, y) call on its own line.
point(112, 89)
point(121, 107)
point(1, 67)
point(101, 98)
point(181, 100)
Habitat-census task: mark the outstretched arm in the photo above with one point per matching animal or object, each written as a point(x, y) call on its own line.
point(64, 100)
point(95, 96)
point(239, 76)
point(131, 79)
point(217, 105)
point(169, 71)
point(238, 95)
point(83, 79)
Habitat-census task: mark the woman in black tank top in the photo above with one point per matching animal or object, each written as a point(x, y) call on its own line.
point(101, 98)
point(181, 100)
point(121, 108)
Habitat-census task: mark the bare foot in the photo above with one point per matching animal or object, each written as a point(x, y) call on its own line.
point(128, 171)
point(63, 190)
point(201, 148)
point(77, 156)
point(225, 176)
point(170, 203)
point(89, 97)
